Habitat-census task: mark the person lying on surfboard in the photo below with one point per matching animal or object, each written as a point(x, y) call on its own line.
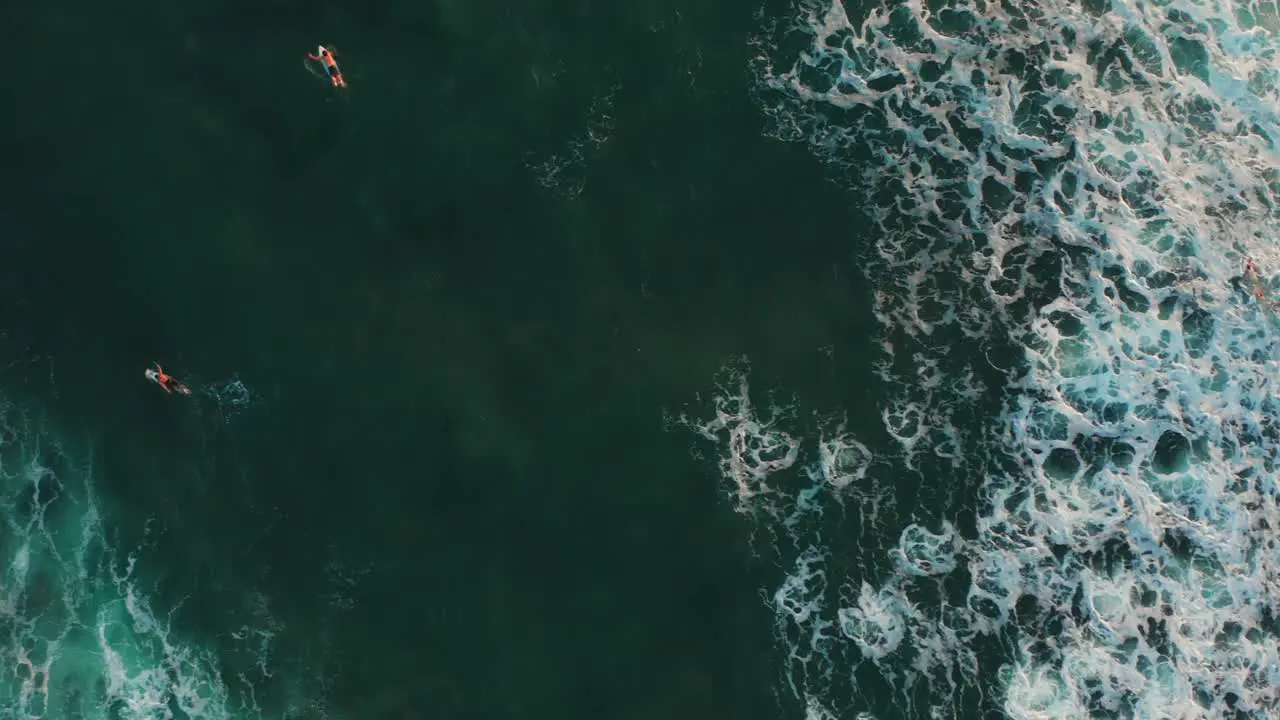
point(324, 56)
point(157, 375)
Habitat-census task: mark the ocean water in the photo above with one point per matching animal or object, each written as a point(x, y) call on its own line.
point(1076, 357)
point(796, 360)
point(431, 325)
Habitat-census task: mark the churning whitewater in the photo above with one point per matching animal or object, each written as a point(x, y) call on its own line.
point(80, 638)
point(81, 633)
point(1065, 196)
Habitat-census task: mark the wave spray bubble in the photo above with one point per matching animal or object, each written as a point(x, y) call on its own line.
point(231, 396)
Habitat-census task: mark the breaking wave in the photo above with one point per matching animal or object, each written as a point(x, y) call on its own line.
point(1072, 509)
point(81, 632)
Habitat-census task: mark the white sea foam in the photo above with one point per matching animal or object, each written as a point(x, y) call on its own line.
point(1064, 196)
point(565, 172)
point(79, 636)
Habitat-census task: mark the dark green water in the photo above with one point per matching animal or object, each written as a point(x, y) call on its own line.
point(461, 372)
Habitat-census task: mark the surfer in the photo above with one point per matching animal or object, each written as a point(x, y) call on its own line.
point(1251, 277)
point(1255, 284)
point(324, 56)
point(157, 375)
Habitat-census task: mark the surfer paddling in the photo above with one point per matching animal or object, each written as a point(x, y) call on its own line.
point(325, 57)
point(157, 375)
